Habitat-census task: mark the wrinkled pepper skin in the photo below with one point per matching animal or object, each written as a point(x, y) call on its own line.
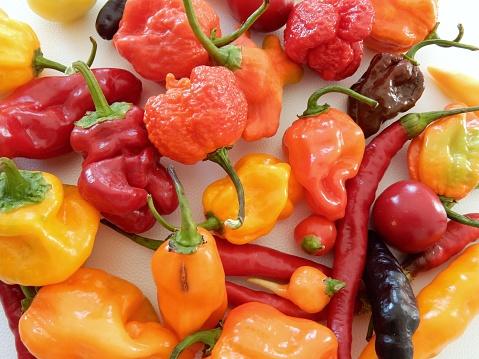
point(159, 30)
point(323, 173)
point(36, 120)
point(120, 168)
point(191, 288)
point(34, 237)
point(116, 321)
point(394, 306)
point(267, 184)
point(327, 35)
point(256, 330)
point(392, 80)
point(19, 43)
point(446, 305)
point(196, 115)
point(445, 156)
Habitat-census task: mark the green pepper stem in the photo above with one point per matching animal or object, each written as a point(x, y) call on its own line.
point(220, 156)
point(433, 34)
point(187, 238)
point(332, 286)
point(461, 218)
point(313, 109)
point(207, 337)
point(148, 243)
point(212, 223)
point(435, 40)
point(222, 41)
point(158, 217)
point(415, 123)
point(20, 188)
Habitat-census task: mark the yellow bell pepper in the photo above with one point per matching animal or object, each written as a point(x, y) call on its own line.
point(47, 229)
point(270, 193)
point(94, 315)
point(457, 85)
point(445, 157)
point(446, 305)
point(20, 56)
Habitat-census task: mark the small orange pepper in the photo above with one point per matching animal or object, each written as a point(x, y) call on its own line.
point(309, 288)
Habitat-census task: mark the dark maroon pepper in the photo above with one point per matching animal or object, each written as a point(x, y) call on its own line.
point(109, 17)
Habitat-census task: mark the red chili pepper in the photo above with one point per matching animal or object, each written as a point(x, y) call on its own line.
point(352, 229)
point(121, 166)
point(36, 119)
point(455, 239)
point(11, 296)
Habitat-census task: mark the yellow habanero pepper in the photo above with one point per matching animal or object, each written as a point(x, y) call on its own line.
point(445, 156)
point(47, 229)
point(270, 193)
point(94, 315)
point(446, 305)
point(60, 10)
point(20, 56)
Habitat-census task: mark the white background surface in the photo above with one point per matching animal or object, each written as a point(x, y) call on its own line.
point(66, 43)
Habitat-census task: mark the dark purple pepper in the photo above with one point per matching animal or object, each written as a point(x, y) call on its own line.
point(109, 17)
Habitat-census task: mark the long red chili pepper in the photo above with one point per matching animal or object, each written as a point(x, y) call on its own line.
point(454, 240)
point(352, 229)
point(11, 296)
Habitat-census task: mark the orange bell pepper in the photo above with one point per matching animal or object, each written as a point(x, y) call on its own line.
point(401, 24)
point(189, 275)
point(257, 330)
point(445, 156)
point(94, 315)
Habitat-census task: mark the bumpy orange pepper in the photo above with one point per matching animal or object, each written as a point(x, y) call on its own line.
point(401, 24)
point(445, 156)
point(257, 330)
point(270, 193)
point(189, 276)
point(94, 315)
point(446, 305)
point(324, 148)
point(309, 288)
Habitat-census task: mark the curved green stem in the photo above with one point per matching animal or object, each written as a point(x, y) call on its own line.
point(158, 217)
point(220, 156)
point(208, 337)
point(148, 243)
point(433, 34)
point(314, 109)
point(461, 218)
point(222, 41)
point(212, 223)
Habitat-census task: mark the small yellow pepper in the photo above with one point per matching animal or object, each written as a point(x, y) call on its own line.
point(445, 156)
point(47, 229)
point(60, 10)
point(94, 315)
point(20, 56)
point(270, 192)
point(446, 305)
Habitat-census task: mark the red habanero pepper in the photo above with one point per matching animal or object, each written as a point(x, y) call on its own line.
point(454, 240)
point(200, 118)
point(352, 229)
point(11, 296)
point(37, 118)
point(327, 35)
point(158, 30)
point(121, 166)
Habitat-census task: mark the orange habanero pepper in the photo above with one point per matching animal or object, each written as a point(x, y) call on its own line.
point(257, 330)
point(189, 275)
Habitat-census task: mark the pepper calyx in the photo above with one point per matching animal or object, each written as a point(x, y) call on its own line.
point(207, 337)
point(20, 188)
point(91, 118)
point(311, 244)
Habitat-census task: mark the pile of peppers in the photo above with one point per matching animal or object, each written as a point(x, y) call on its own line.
point(221, 91)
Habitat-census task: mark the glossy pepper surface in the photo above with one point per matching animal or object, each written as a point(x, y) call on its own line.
point(328, 35)
point(41, 222)
point(159, 30)
point(257, 330)
point(109, 17)
point(270, 193)
point(116, 321)
point(36, 120)
point(121, 166)
point(321, 172)
point(399, 25)
point(189, 276)
point(60, 10)
point(446, 306)
point(395, 313)
point(445, 156)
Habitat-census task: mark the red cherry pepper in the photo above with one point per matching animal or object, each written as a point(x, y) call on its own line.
point(327, 35)
point(37, 118)
point(121, 166)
